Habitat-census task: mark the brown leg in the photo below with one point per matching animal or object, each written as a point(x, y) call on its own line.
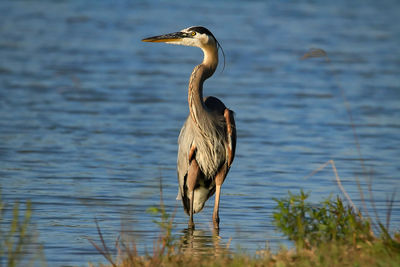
point(216, 206)
point(219, 179)
point(191, 181)
point(191, 223)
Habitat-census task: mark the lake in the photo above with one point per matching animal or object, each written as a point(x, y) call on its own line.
point(90, 115)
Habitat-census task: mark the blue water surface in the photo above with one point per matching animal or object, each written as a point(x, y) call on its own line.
point(89, 115)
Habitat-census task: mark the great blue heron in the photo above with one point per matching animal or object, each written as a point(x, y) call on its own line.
point(207, 140)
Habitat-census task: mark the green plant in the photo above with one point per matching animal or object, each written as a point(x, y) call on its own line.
point(16, 236)
point(165, 222)
point(331, 220)
point(166, 240)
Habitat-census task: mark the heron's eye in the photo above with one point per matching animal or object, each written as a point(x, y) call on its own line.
point(193, 33)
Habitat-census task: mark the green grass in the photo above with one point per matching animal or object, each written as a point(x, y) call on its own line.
point(17, 237)
point(311, 224)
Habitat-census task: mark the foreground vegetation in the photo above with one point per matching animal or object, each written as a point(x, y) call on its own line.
point(18, 244)
point(329, 233)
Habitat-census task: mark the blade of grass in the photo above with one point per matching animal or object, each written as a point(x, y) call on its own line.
point(104, 249)
point(389, 204)
point(338, 181)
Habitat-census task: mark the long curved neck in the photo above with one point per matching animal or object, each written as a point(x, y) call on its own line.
point(201, 73)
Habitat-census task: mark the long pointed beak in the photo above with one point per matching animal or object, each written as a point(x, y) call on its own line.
point(165, 38)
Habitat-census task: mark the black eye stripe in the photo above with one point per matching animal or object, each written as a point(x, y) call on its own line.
point(201, 30)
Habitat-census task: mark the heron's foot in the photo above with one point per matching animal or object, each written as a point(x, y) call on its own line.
point(216, 233)
point(191, 225)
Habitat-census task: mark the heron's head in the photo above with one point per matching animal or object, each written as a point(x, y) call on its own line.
point(193, 36)
point(197, 36)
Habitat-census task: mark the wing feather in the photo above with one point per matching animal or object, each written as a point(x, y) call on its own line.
point(231, 135)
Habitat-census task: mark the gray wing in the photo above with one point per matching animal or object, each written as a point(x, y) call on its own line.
point(221, 110)
point(185, 142)
point(187, 136)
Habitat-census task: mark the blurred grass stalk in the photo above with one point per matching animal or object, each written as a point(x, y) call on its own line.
point(17, 237)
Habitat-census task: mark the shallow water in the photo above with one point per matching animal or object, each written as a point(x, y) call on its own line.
point(89, 115)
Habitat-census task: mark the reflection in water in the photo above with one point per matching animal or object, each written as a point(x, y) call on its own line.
point(200, 242)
